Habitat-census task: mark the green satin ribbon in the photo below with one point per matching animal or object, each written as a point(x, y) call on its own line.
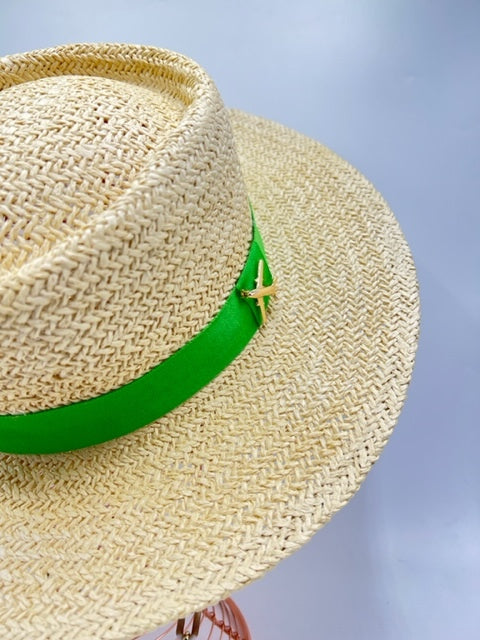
point(158, 391)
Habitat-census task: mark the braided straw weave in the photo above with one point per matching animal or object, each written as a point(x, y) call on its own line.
point(124, 225)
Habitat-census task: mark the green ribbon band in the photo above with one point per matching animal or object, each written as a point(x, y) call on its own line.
point(158, 391)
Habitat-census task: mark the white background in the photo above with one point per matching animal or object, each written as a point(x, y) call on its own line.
point(393, 87)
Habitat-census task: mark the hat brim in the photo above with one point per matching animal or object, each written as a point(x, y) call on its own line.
point(114, 540)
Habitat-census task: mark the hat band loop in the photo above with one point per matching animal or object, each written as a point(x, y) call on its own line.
point(166, 386)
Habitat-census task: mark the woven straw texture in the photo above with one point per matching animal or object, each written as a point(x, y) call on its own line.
point(110, 242)
point(111, 541)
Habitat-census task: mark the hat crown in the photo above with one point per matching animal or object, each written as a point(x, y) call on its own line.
point(124, 221)
point(70, 146)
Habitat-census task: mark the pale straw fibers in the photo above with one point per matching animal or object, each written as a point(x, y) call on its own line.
point(124, 225)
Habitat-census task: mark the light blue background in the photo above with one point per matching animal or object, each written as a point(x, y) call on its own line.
point(394, 88)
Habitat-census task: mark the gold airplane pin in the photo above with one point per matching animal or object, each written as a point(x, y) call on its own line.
point(261, 291)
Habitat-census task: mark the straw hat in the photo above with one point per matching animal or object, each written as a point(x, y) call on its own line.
point(126, 234)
